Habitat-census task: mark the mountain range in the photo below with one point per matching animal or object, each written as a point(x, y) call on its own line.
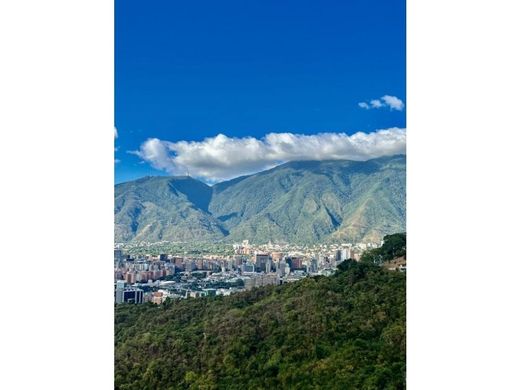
point(297, 202)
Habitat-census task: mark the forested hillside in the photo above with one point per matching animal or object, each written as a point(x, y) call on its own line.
point(346, 331)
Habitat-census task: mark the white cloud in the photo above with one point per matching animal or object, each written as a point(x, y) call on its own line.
point(376, 103)
point(393, 102)
point(387, 101)
point(221, 157)
point(115, 133)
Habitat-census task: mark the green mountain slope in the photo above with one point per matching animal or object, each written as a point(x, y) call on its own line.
point(315, 200)
point(304, 201)
point(346, 331)
point(164, 208)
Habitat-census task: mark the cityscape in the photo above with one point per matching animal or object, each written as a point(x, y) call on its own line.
point(141, 278)
point(260, 195)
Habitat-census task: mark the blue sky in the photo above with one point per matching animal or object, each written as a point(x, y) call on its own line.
point(188, 71)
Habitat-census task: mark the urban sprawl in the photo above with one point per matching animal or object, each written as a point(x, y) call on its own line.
point(141, 278)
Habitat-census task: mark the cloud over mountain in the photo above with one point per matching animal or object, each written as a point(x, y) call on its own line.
point(220, 158)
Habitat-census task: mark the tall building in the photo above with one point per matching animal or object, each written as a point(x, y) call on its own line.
point(178, 262)
point(345, 254)
point(248, 267)
point(157, 274)
point(280, 268)
point(118, 256)
point(259, 280)
point(294, 263)
point(120, 288)
point(132, 295)
point(125, 294)
point(189, 266)
point(313, 267)
point(130, 277)
point(270, 266)
point(262, 262)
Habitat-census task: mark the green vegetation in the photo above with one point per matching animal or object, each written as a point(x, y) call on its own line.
point(297, 202)
point(193, 248)
point(346, 331)
point(164, 209)
point(394, 245)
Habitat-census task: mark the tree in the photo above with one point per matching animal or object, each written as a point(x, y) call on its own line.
point(343, 331)
point(394, 245)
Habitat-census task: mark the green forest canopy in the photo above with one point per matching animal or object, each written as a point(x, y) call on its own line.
point(346, 331)
point(394, 245)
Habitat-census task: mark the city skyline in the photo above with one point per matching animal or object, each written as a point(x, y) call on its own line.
point(153, 273)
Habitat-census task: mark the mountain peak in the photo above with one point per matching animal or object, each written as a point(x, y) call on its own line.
point(299, 201)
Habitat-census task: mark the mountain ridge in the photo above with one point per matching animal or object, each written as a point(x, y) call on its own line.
point(298, 201)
